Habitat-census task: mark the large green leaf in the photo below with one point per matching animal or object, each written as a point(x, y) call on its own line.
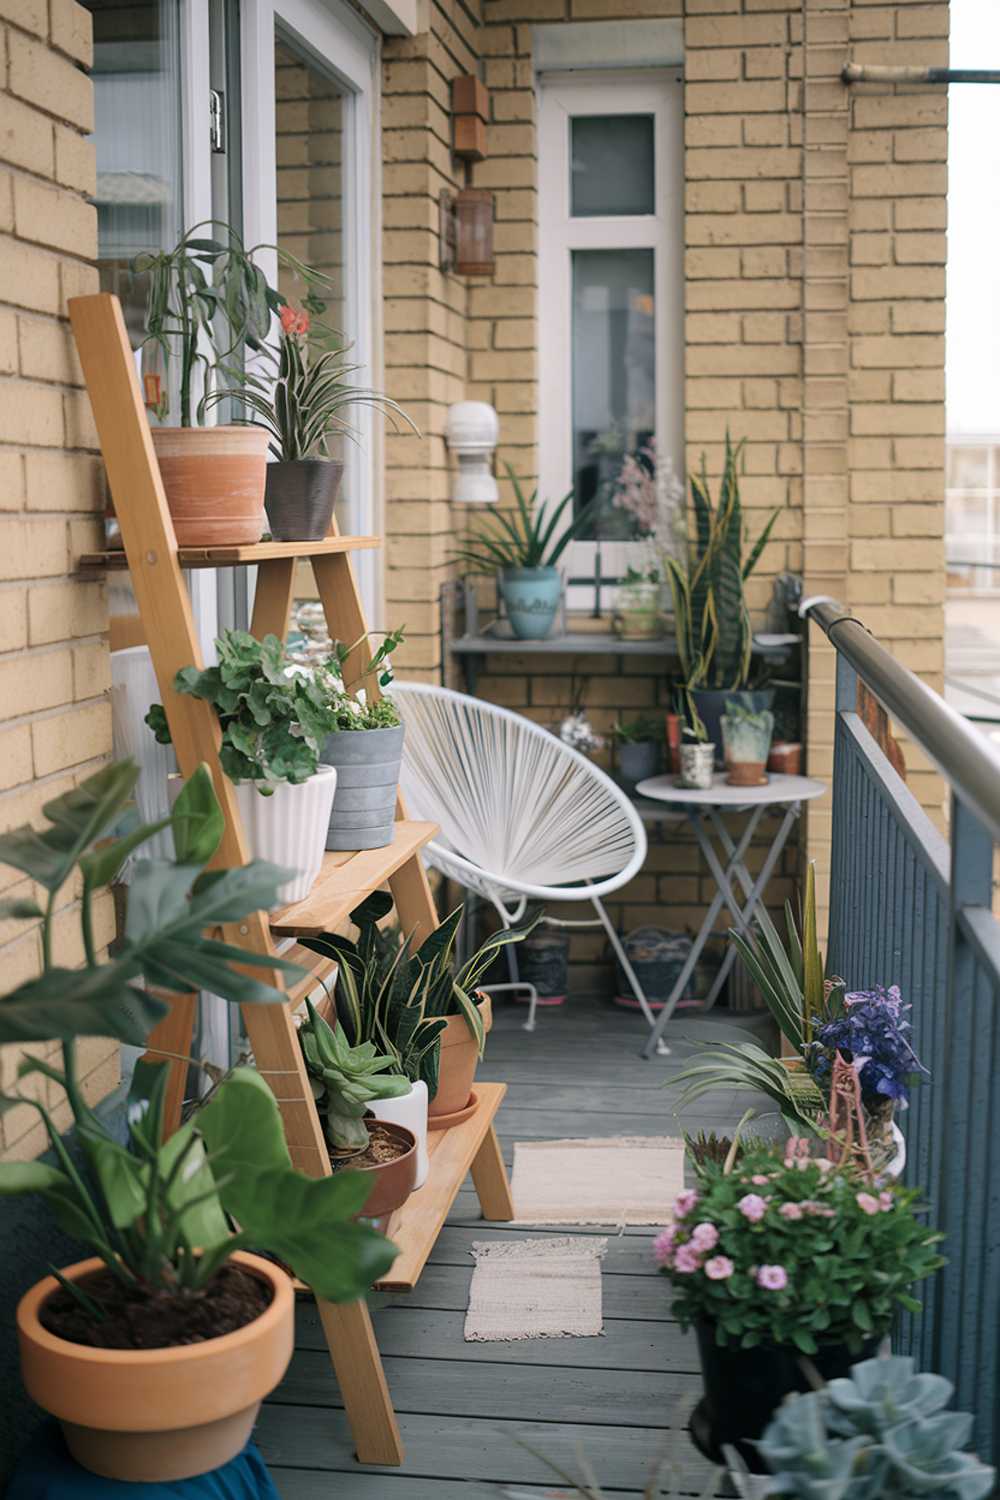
point(66, 1003)
point(78, 818)
point(197, 820)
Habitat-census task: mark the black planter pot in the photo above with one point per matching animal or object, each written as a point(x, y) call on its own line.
point(744, 1388)
point(711, 705)
point(299, 498)
point(637, 761)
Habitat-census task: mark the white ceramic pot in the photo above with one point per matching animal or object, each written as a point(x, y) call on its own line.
point(289, 827)
point(697, 766)
point(409, 1110)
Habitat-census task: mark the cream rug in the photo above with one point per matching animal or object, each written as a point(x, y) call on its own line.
point(535, 1289)
point(630, 1180)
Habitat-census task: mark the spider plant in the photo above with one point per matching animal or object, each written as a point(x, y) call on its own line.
point(712, 621)
point(530, 537)
point(790, 975)
point(746, 1067)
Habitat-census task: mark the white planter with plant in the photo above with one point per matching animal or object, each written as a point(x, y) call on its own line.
point(274, 719)
point(637, 611)
point(156, 1353)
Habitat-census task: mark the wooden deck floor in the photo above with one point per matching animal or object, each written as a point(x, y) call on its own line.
point(621, 1399)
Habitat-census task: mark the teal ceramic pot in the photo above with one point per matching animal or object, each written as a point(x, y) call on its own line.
point(711, 705)
point(532, 599)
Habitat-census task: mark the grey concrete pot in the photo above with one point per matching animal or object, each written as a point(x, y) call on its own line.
point(364, 807)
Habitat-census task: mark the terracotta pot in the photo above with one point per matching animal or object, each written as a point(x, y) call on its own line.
point(459, 1056)
point(214, 479)
point(393, 1181)
point(673, 743)
point(786, 758)
point(745, 772)
point(157, 1414)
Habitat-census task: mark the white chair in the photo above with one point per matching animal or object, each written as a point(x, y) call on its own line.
point(522, 816)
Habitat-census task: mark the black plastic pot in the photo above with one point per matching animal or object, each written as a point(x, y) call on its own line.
point(637, 761)
point(711, 705)
point(744, 1388)
point(300, 496)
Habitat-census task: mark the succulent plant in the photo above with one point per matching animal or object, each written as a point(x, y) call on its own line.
point(881, 1432)
point(346, 1079)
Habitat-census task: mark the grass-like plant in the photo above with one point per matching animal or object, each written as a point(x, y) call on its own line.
point(637, 731)
point(528, 537)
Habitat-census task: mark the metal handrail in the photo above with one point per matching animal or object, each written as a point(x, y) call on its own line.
point(967, 760)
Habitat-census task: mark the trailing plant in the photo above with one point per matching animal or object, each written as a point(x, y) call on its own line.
point(711, 618)
point(207, 301)
point(529, 537)
point(300, 390)
point(274, 716)
point(346, 1080)
point(793, 1251)
point(881, 1432)
point(637, 731)
point(155, 1210)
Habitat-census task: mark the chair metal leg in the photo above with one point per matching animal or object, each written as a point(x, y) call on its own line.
point(630, 974)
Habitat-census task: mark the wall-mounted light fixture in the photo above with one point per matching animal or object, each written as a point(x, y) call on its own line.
point(466, 227)
point(470, 108)
point(471, 431)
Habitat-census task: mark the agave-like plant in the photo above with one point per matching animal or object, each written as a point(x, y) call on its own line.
point(711, 618)
point(527, 538)
point(346, 1079)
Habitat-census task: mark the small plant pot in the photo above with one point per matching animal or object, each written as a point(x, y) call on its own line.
point(392, 1181)
point(214, 480)
point(364, 807)
point(711, 705)
point(673, 733)
point(459, 1059)
point(785, 758)
point(543, 960)
point(746, 745)
point(746, 773)
point(410, 1111)
point(147, 1415)
point(698, 767)
point(637, 762)
point(300, 497)
point(532, 598)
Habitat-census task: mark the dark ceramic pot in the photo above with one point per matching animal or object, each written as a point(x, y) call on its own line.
point(711, 705)
point(744, 1388)
point(300, 496)
point(637, 761)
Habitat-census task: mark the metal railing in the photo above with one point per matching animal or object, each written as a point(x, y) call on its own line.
point(911, 906)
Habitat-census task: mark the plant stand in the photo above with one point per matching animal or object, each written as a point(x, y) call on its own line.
point(166, 624)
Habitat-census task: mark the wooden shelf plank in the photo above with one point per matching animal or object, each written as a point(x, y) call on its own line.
point(346, 878)
point(231, 557)
point(416, 1226)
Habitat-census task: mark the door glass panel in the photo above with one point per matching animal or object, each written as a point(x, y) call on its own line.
point(612, 165)
point(138, 139)
point(614, 376)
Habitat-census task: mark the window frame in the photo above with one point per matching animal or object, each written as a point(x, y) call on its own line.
point(562, 96)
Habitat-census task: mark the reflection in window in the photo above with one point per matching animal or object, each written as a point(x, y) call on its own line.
point(612, 165)
point(614, 375)
point(972, 515)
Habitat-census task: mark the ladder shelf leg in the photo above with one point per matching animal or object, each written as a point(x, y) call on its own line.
point(358, 1365)
point(490, 1177)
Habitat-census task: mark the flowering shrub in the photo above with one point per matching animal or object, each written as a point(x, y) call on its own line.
point(872, 1034)
point(793, 1251)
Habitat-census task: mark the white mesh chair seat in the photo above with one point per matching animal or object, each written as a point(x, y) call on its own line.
point(522, 816)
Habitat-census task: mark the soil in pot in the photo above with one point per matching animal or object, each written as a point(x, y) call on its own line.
point(383, 1146)
point(232, 1299)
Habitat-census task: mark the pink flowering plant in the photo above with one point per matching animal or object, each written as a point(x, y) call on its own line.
point(788, 1249)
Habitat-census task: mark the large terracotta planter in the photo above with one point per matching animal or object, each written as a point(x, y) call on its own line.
point(214, 479)
point(459, 1056)
point(157, 1414)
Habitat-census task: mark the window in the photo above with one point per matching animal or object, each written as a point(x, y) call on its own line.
point(611, 314)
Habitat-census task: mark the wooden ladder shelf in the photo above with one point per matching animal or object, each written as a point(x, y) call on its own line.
point(154, 562)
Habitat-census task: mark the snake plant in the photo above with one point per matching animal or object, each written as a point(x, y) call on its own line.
point(711, 618)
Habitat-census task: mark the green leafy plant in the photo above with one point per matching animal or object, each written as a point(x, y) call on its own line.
point(793, 1251)
point(881, 1432)
point(347, 1079)
point(530, 537)
point(357, 708)
point(156, 1211)
point(791, 975)
point(206, 301)
point(274, 716)
point(711, 618)
point(301, 390)
point(745, 1067)
point(637, 731)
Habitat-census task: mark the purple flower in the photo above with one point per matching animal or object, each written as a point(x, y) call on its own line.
point(719, 1268)
point(873, 1035)
point(663, 1246)
point(752, 1207)
point(686, 1258)
point(704, 1236)
point(684, 1203)
point(772, 1278)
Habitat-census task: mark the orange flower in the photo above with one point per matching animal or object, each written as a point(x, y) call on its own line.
point(292, 321)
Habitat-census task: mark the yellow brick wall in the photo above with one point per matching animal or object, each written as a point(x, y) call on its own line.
point(55, 718)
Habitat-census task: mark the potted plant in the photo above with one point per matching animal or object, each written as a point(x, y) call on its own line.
point(207, 303)
point(697, 753)
point(156, 1352)
point(779, 1256)
point(274, 718)
point(880, 1430)
point(637, 616)
point(364, 744)
point(746, 741)
point(524, 550)
point(637, 748)
point(711, 619)
point(297, 395)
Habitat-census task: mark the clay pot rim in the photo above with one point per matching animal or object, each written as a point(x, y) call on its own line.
point(245, 429)
point(30, 1327)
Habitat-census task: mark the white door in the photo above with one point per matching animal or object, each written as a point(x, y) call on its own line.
point(610, 300)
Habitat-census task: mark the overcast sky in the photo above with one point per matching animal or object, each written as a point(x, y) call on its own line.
point(973, 346)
